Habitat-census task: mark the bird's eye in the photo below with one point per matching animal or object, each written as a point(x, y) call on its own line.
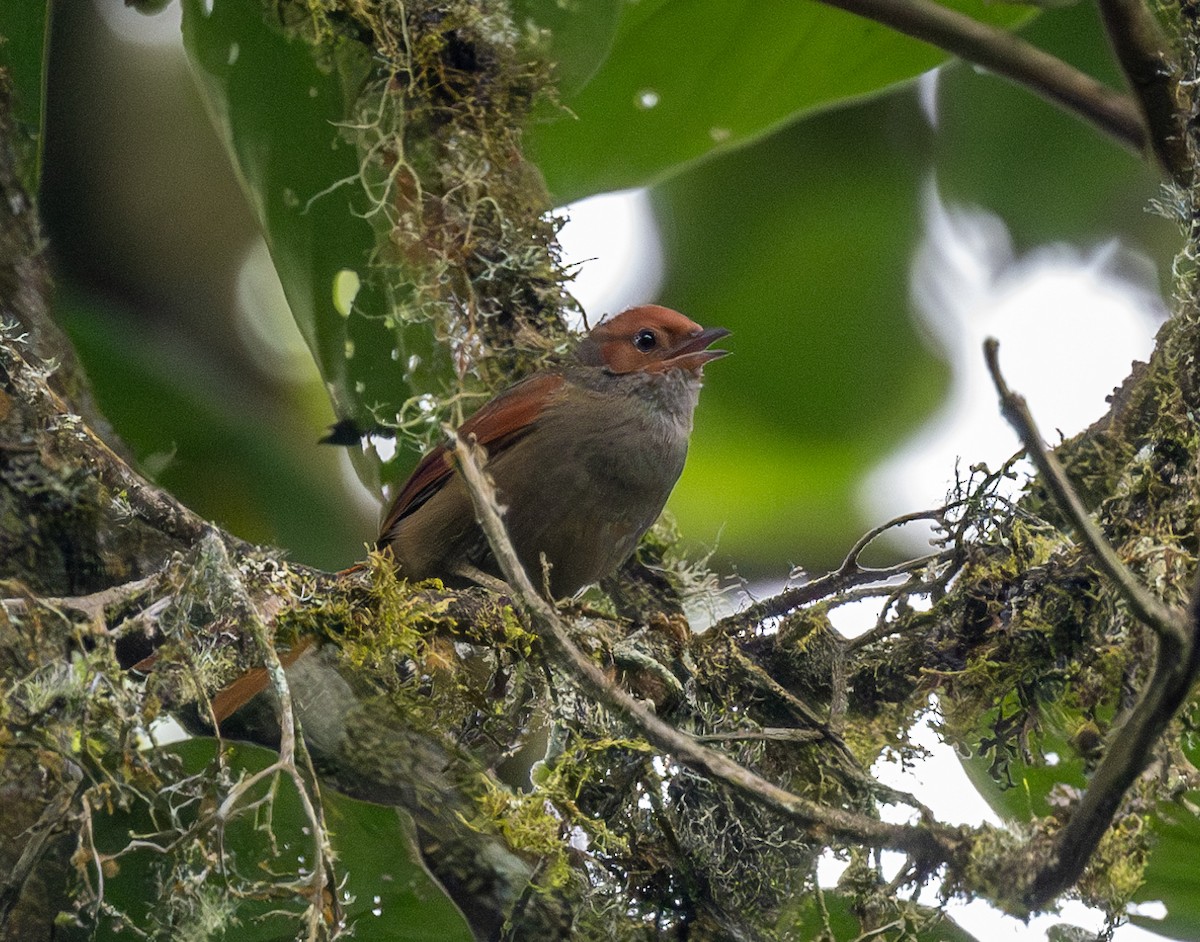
point(645, 340)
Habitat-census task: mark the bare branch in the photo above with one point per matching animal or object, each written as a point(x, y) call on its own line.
point(999, 51)
point(1153, 74)
point(291, 744)
point(849, 575)
point(93, 605)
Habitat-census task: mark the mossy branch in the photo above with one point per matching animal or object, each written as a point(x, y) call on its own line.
point(1170, 626)
point(1176, 667)
point(929, 844)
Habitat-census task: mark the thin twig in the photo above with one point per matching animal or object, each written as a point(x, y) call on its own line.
point(1143, 52)
point(290, 743)
point(848, 575)
point(1145, 607)
point(928, 843)
point(1005, 54)
point(884, 629)
point(290, 739)
point(766, 734)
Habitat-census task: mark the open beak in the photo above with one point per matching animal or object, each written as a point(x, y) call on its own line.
point(693, 353)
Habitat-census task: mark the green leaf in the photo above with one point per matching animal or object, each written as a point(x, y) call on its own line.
point(1171, 877)
point(24, 38)
point(689, 78)
point(1026, 790)
point(387, 896)
point(576, 35)
point(280, 104)
point(919, 923)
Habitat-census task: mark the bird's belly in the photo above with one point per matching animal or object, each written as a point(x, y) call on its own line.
point(584, 512)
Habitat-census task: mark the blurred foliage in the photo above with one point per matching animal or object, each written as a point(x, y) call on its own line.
point(685, 79)
point(385, 893)
point(801, 244)
point(24, 27)
point(1170, 877)
point(1050, 177)
point(794, 244)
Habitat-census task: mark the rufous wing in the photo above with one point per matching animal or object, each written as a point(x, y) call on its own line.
point(496, 426)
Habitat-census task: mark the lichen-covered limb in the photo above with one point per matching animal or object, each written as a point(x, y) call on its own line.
point(150, 584)
point(213, 613)
point(1176, 666)
point(929, 845)
point(77, 518)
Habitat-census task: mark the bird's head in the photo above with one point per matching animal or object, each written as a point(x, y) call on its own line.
point(651, 339)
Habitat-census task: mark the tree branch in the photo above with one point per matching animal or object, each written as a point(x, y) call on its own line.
point(999, 51)
point(1176, 667)
point(1166, 623)
point(1126, 757)
point(927, 843)
point(1142, 51)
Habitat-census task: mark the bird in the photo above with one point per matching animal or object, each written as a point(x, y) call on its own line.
point(583, 456)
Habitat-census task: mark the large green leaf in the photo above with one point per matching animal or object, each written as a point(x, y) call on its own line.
point(24, 31)
point(687, 78)
point(387, 896)
point(279, 103)
point(577, 35)
point(1172, 877)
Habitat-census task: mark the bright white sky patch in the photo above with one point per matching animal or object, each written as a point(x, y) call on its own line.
point(614, 241)
point(1070, 324)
